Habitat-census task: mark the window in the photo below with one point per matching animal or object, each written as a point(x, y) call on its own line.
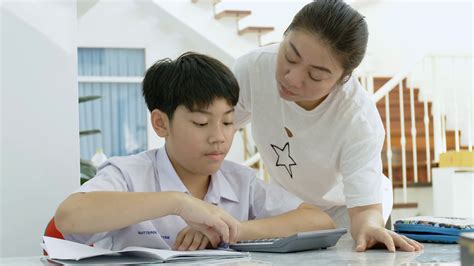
point(120, 113)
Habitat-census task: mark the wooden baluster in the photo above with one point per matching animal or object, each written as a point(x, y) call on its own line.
point(403, 141)
point(389, 144)
point(455, 89)
point(413, 131)
point(426, 122)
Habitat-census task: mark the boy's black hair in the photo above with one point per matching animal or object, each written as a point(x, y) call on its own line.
point(192, 80)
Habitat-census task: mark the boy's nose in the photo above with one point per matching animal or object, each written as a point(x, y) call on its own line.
point(217, 135)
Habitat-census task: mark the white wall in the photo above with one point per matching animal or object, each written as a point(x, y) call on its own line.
point(402, 30)
point(143, 24)
point(39, 119)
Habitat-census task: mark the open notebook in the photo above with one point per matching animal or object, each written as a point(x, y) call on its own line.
point(70, 252)
point(434, 229)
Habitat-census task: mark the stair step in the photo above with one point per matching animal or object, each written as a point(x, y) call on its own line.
point(395, 128)
point(395, 104)
point(397, 156)
point(411, 184)
point(213, 1)
point(395, 143)
point(233, 14)
point(256, 29)
point(397, 174)
point(380, 81)
point(408, 205)
point(395, 111)
point(395, 139)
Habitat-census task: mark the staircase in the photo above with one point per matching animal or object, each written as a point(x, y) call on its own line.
point(396, 134)
point(237, 15)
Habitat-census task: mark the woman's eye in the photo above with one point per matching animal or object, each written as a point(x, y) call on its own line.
point(228, 123)
point(289, 61)
point(199, 124)
point(313, 79)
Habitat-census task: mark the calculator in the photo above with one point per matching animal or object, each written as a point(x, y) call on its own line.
point(321, 239)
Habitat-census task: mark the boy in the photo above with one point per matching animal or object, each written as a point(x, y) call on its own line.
point(184, 195)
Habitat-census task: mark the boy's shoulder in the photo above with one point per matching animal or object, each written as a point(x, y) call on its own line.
point(132, 162)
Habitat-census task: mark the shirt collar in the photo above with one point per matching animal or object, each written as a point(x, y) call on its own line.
point(169, 180)
point(219, 188)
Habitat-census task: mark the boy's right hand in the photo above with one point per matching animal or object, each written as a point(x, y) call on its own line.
point(216, 224)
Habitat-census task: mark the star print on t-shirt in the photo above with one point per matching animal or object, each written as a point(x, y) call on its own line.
point(284, 157)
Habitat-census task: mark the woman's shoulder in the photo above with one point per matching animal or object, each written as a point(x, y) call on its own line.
point(259, 56)
point(357, 105)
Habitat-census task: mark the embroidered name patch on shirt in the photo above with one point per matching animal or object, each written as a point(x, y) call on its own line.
point(153, 232)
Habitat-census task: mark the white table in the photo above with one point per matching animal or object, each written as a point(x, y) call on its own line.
point(342, 254)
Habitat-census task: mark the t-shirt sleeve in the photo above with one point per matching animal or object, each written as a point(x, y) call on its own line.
point(108, 178)
point(361, 165)
point(268, 200)
point(243, 112)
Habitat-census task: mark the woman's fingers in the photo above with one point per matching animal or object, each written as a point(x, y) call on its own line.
point(390, 239)
point(416, 246)
point(385, 238)
point(361, 244)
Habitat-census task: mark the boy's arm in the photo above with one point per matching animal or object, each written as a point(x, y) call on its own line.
point(305, 218)
point(93, 212)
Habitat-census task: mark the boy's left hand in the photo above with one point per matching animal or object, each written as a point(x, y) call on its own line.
point(190, 239)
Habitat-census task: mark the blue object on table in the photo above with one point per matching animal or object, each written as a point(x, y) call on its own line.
point(434, 229)
point(223, 246)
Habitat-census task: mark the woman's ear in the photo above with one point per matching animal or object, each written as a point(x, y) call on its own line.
point(160, 123)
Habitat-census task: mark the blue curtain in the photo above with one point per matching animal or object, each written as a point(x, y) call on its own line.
point(121, 112)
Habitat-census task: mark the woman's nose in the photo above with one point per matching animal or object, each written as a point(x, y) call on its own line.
point(294, 78)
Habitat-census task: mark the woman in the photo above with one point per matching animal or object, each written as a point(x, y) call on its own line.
point(317, 130)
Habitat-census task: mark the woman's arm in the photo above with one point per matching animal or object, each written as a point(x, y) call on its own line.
point(367, 229)
point(305, 218)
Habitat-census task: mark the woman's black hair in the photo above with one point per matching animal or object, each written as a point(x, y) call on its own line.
point(339, 25)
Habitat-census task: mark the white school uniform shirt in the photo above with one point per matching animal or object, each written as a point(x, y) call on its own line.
point(334, 156)
point(233, 187)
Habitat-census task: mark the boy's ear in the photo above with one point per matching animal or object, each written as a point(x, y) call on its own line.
point(160, 123)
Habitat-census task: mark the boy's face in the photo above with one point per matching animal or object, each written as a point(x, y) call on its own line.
point(198, 141)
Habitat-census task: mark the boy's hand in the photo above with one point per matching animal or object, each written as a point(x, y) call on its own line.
point(216, 224)
point(191, 239)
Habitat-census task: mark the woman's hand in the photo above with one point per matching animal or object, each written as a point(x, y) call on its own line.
point(212, 221)
point(370, 236)
point(191, 239)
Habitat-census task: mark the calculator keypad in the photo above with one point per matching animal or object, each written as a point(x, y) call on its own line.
point(269, 240)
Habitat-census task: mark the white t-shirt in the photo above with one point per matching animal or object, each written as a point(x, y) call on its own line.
point(234, 188)
point(334, 155)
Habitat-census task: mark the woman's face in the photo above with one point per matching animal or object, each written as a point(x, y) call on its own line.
point(307, 71)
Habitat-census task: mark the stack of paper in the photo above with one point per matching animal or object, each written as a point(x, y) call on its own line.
point(64, 251)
